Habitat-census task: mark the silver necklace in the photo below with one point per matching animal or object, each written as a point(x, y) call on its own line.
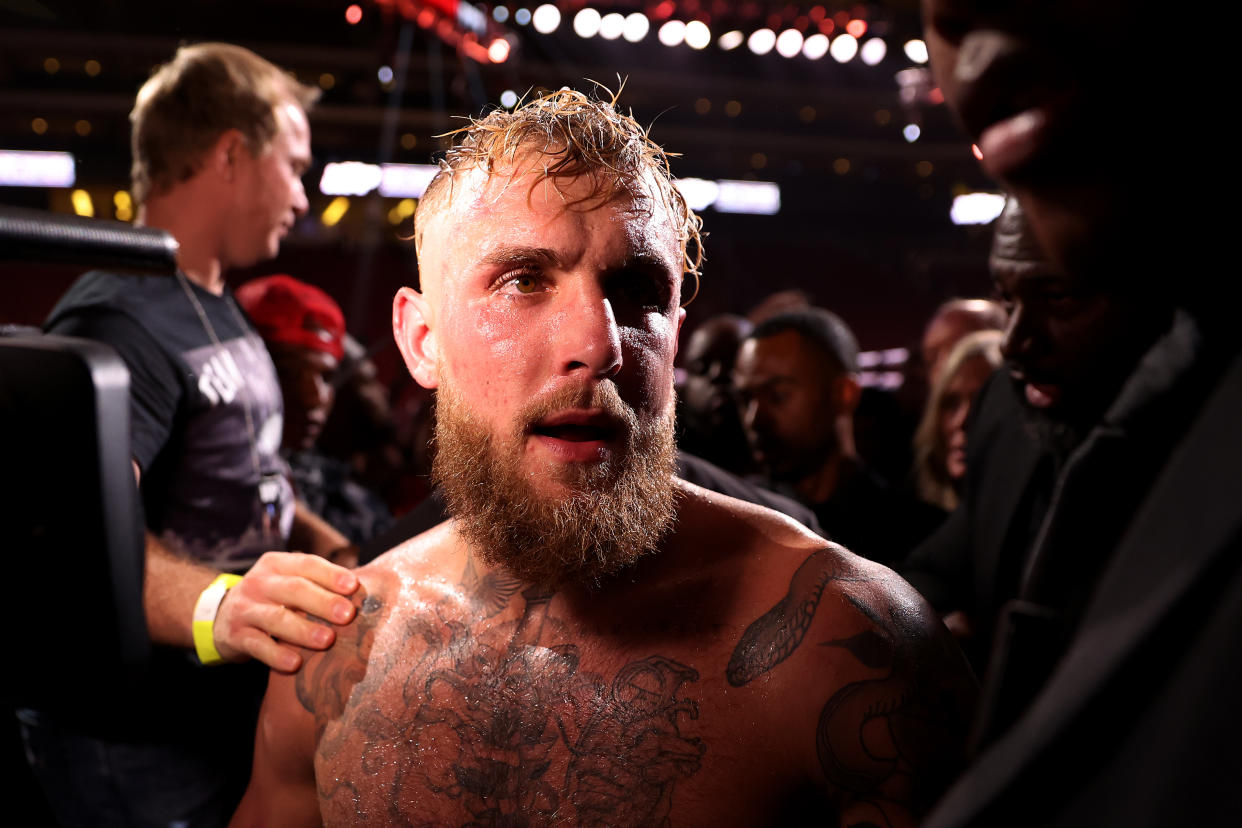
point(215, 341)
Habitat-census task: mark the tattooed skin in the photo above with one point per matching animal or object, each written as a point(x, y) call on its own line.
point(497, 724)
point(874, 736)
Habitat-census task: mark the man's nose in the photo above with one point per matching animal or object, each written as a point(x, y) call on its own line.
point(300, 202)
point(1017, 334)
point(589, 338)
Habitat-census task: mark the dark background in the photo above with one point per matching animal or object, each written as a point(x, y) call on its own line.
point(874, 243)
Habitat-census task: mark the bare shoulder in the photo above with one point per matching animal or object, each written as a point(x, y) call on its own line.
point(867, 683)
point(405, 576)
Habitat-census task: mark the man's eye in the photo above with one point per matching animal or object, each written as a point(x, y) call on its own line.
point(524, 283)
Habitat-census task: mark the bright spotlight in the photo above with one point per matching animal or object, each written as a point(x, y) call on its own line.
point(911, 132)
point(816, 46)
point(384, 74)
point(789, 43)
point(873, 51)
point(546, 18)
point(508, 98)
point(844, 48)
point(976, 208)
point(672, 33)
point(698, 36)
point(761, 41)
point(916, 50)
point(731, 40)
point(636, 27)
point(586, 23)
point(498, 50)
point(521, 16)
point(611, 26)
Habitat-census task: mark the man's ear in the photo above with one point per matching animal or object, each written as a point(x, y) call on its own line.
point(415, 339)
point(846, 392)
point(225, 153)
point(681, 317)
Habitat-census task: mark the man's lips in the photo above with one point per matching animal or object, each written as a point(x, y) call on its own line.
point(578, 434)
point(1038, 394)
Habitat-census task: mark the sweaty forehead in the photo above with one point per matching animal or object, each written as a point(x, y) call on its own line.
point(524, 207)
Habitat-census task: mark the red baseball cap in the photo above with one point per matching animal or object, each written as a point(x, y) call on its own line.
point(285, 309)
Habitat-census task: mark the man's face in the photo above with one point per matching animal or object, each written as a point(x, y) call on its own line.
point(1069, 344)
point(268, 191)
point(785, 388)
point(553, 328)
point(709, 357)
point(1045, 91)
point(306, 385)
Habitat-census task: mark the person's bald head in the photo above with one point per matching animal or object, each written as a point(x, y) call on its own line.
point(952, 321)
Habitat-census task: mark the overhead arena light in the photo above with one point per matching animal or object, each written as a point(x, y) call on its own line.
point(406, 180)
point(873, 51)
point(761, 41)
point(349, 178)
point(756, 197)
point(699, 193)
point(355, 178)
point(698, 36)
point(916, 50)
point(672, 33)
point(586, 23)
point(636, 27)
point(789, 43)
point(20, 168)
point(976, 208)
point(611, 26)
point(731, 40)
point(815, 46)
point(843, 48)
point(545, 19)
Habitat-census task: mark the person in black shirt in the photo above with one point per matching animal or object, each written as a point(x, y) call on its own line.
point(221, 141)
point(796, 377)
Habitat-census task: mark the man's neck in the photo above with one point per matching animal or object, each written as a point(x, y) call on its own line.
point(820, 485)
point(198, 255)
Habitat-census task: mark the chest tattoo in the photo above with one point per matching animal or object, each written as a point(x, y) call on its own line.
point(499, 724)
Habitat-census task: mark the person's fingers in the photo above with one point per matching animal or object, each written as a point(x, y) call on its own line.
point(290, 627)
point(296, 581)
point(312, 567)
point(264, 648)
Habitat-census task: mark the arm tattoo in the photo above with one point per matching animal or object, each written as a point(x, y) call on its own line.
point(773, 638)
point(890, 742)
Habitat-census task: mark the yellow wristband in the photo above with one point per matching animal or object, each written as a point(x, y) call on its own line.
point(205, 617)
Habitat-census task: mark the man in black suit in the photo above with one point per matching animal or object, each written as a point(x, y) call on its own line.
point(1110, 696)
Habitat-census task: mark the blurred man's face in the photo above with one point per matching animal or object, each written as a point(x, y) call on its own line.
point(554, 327)
point(709, 357)
point(269, 196)
point(785, 388)
point(1047, 93)
point(306, 385)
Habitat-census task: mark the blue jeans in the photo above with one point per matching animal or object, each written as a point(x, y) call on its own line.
point(98, 783)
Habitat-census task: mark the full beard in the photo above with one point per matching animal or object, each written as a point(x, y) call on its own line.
point(612, 513)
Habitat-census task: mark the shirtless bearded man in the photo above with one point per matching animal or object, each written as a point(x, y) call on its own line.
point(589, 640)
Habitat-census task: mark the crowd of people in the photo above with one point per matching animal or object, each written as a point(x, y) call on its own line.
point(651, 588)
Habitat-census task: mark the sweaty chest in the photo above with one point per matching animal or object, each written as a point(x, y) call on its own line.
point(521, 723)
